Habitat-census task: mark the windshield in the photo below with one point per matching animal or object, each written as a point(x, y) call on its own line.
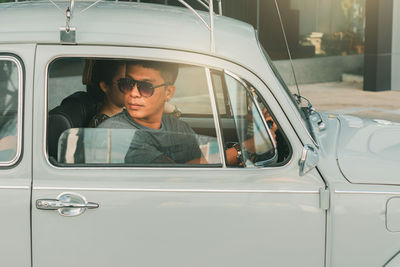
point(299, 104)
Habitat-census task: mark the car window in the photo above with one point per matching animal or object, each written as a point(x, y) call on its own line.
point(244, 121)
point(191, 95)
point(81, 131)
point(10, 109)
point(135, 147)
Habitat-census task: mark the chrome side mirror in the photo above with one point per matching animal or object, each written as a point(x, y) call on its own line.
point(309, 159)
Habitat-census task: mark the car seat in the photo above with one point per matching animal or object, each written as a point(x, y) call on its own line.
point(75, 111)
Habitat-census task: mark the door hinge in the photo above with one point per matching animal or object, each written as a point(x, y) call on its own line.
point(324, 198)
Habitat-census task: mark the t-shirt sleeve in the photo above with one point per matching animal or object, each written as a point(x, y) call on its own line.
point(195, 151)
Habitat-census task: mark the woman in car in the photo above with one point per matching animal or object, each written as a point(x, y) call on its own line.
point(101, 79)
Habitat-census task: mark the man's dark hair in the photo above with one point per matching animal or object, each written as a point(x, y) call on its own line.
point(168, 71)
point(99, 70)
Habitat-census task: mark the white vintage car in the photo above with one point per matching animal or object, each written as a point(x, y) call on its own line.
point(325, 191)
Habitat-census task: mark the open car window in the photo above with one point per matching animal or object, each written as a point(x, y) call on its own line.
point(248, 123)
point(10, 110)
point(77, 94)
point(134, 147)
point(195, 128)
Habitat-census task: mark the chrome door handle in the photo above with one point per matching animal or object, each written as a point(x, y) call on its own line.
point(67, 204)
point(55, 204)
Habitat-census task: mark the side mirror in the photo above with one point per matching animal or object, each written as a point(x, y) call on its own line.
point(309, 159)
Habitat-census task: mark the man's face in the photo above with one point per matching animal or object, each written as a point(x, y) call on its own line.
point(147, 110)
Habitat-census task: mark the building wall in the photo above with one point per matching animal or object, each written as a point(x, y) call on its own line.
point(320, 16)
point(319, 69)
point(396, 46)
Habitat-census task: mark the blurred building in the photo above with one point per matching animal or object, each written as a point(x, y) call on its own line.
point(327, 38)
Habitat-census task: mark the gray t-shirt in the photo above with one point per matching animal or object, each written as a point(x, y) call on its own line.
point(174, 142)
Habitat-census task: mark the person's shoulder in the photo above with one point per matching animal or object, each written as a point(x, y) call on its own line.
point(174, 124)
point(117, 121)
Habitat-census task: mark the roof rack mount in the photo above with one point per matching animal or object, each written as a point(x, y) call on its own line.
point(68, 33)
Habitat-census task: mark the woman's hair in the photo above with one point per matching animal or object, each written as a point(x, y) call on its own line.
point(96, 71)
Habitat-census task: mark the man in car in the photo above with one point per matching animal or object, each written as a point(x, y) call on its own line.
point(160, 138)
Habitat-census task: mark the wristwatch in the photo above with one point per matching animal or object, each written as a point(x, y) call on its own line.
point(239, 152)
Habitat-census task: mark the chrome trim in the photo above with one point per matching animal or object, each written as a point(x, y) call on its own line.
point(216, 117)
point(20, 109)
point(112, 168)
point(84, 10)
point(309, 159)
point(195, 13)
point(61, 11)
point(55, 204)
point(175, 190)
point(210, 26)
point(236, 77)
point(14, 187)
point(203, 4)
point(212, 41)
point(254, 95)
point(366, 192)
point(45, 113)
point(219, 7)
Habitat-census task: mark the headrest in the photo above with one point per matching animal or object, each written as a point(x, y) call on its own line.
point(75, 111)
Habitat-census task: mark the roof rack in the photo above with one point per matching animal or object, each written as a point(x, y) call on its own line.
point(210, 25)
point(67, 33)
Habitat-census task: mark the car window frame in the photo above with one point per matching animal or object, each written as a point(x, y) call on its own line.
point(21, 78)
point(252, 92)
point(97, 166)
point(196, 59)
point(215, 114)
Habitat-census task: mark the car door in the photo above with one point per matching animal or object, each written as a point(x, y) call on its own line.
point(97, 212)
point(16, 68)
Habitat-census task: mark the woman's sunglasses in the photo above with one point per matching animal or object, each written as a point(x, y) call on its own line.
point(146, 89)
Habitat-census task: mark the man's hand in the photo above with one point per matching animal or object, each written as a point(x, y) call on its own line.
point(270, 123)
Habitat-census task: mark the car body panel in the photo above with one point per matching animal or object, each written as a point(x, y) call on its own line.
point(15, 180)
point(179, 214)
point(367, 147)
point(335, 215)
point(359, 234)
point(184, 223)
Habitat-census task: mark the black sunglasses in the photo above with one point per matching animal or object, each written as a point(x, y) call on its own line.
point(146, 89)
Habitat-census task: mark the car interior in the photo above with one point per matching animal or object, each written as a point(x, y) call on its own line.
point(71, 107)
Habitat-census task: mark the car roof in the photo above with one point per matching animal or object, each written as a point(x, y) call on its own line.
point(128, 24)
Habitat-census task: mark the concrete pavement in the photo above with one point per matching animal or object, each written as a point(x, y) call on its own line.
point(349, 98)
